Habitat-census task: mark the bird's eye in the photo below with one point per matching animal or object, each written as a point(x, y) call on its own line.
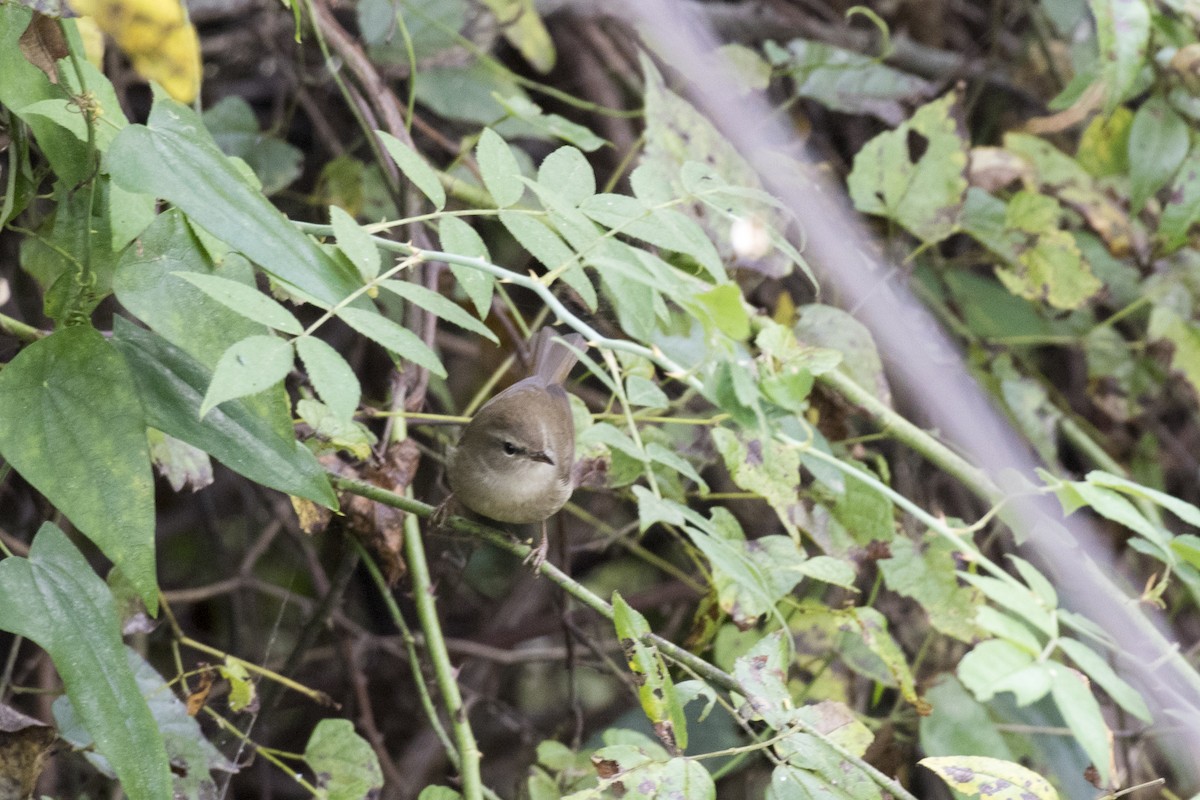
point(510, 449)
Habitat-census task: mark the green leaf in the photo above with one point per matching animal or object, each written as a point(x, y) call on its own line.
point(537, 237)
point(726, 310)
point(1180, 508)
point(1112, 505)
point(766, 467)
point(927, 574)
point(415, 168)
point(1081, 712)
point(78, 230)
point(499, 168)
point(174, 158)
point(1158, 143)
point(1044, 262)
point(1017, 599)
point(247, 367)
point(395, 337)
point(1122, 35)
point(916, 174)
point(55, 599)
point(568, 172)
point(245, 300)
point(171, 385)
point(678, 137)
point(989, 663)
point(73, 427)
point(959, 724)
point(234, 128)
point(1182, 207)
point(583, 235)
point(846, 81)
point(1184, 336)
point(762, 673)
point(331, 376)
point(23, 84)
point(355, 243)
point(830, 326)
point(186, 746)
point(461, 239)
point(1099, 671)
point(980, 776)
point(344, 762)
point(438, 305)
point(645, 393)
point(549, 125)
point(522, 25)
point(662, 227)
point(1036, 581)
point(656, 690)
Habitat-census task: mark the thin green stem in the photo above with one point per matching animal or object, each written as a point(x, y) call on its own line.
point(439, 657)
point(410, 645)
point(14, 327)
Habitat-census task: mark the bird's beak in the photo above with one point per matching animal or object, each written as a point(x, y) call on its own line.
point(540, 455)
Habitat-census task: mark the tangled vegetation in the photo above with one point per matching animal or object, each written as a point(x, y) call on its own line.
point(825, 541)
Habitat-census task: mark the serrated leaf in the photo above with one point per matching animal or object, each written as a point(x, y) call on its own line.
point(568, 172)
point(171, 386)
point(331, 376)
point(1111, 505)
point(347, 766)
point(247, 367)
point(461, 239)
point(245, 300)
point(73, 427)
point(645, 393)
point(355, 244)
point(438, 305)
point(499, 168)
point(415, 168)
point(395, 337)
point(55, 599)
point(990, 778)
point(916, 174)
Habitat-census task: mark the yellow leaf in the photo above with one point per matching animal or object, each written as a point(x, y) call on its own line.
point(161, 43)
point(524, 30)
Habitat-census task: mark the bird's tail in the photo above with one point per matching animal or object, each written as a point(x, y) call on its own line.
point(552, 359)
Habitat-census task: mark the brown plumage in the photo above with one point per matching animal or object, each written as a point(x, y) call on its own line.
point(513, 462)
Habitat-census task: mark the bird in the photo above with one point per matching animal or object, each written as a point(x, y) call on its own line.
point(514, 460)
